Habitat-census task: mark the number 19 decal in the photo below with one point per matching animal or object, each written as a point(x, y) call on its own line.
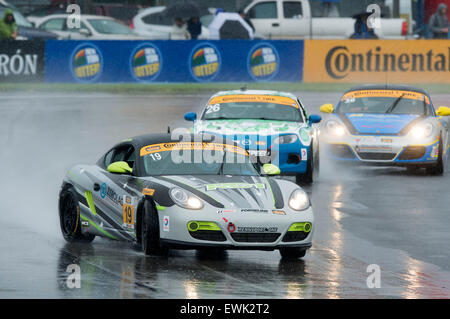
point(128, 214)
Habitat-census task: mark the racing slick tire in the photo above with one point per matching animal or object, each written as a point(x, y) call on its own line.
point(312, 165)
point(292, 253)
point(150, 237)
point(69, 217)
point(438, 168)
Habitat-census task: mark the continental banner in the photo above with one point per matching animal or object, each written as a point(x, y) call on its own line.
point(377, 61)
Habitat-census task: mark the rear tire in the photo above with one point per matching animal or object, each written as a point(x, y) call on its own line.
point(292, 253)
point(69, 217)
point(150, 236)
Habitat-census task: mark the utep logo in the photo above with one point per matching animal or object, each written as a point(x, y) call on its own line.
point(146, 63)
point(263, 62)
point(103, 190)
point(205, 62)
point(86, 63)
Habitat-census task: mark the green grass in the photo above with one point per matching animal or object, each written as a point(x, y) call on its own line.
point(182, 88)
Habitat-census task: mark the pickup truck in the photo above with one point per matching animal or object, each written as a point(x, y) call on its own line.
point(278, 19)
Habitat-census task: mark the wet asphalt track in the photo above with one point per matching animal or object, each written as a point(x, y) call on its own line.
point(364, 216)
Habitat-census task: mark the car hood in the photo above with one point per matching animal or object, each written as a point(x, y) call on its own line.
point(225, 191)
point(365, 123)
point(260, 127)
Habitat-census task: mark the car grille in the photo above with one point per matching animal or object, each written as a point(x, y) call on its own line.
point(341, 150)
point(377, 156)
point(412, 152)
point(255, 237)
point(295, 236)
point(211, 235)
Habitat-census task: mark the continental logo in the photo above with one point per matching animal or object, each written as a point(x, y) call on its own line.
point(86, 63)
point(377, 61)
point(146, 63)
point(205, 62)
point(263, 62)
point(340, 61)
point(193, 146)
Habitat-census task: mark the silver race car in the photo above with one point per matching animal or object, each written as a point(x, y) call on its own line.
point(193, 192)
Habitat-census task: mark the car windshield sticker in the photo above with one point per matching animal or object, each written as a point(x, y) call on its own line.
point(164, 147)
point(253, 98)
point(348, 97)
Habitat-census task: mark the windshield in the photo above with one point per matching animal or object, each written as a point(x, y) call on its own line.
point(258, 107)
point(20, 19)
point(107, 26)
point(384, 101)
point(196, 158)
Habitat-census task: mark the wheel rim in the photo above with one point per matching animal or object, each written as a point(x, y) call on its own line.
point(70, 215)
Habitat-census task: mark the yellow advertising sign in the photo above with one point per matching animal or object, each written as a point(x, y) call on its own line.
point(253, 98)
point(202, 146)
point(377, 61)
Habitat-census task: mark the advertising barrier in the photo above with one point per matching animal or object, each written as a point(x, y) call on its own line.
point(173, 61)
point(377, 61)
point(21, 61)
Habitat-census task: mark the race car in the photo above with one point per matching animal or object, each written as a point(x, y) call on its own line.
point(387, 125)
point(273, 126)
point(185, 192)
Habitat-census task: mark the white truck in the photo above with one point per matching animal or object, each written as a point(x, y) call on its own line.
point(278, 19)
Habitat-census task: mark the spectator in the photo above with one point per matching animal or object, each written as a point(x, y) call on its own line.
point(194, 26)
point(439, 23)
point(179, 30)
point(8, 27)
point(246, 19)
point(362, 30)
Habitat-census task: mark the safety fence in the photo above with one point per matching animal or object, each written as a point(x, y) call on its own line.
point(315, 61)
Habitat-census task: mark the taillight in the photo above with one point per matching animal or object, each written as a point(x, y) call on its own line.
point(404, 28)
point(131, 24)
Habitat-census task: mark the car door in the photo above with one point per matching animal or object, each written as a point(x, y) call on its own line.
point(111, 194)
point(80, 33)
point(265, 18)
point(56, 25)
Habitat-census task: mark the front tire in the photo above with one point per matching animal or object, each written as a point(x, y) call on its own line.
point(150, 236)
point(312, 166)
point(439, 167)
point(292, 253)
point(69, 217)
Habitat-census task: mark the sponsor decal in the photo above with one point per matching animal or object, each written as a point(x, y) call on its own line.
point(225, 220)
point(225, 211)
point(246, 142)
point(353, 95)
point(127, 200)
point(205, 62)
point(257, 229)
point(86, 63)
point(278, 212)
point(146, 63)
point(260, 143)
point(84, 223)
point(22, 61)
point(212, 187)
point(410, 61)
point(106, 191)
point(231, 227)
point(202, 146)
point(246, 98)
point(148, 191)
point(166, 222)
point(252, 210)
point(304, 154)
point(103, 189)
point(263, 62)
point(435, 151)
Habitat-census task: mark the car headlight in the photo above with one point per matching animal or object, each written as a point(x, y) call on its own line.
point(334, 128)
point(299, 200)
point(286, 139)
point(185, 199)
point(422, 130)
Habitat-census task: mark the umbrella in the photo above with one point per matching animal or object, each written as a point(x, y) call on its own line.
point(228, 25)
point(184, 9)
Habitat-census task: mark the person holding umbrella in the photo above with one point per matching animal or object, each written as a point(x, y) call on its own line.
point(179, 30)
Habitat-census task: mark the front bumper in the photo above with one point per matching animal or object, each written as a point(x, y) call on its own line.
point(383, 150)
point(257, 231)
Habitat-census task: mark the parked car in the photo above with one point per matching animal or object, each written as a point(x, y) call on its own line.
point(153, 23)
point(91, 26)
point(26, 30)
point(293, 19)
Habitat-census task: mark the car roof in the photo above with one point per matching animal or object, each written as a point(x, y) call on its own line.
point(394, 87)
point(256, 92)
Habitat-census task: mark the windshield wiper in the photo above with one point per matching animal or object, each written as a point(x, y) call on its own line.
point(392, 107)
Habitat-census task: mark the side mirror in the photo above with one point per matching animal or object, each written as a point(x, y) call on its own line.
point(327, 108)
point(190, 116)
point(119, 168)
point(85, 32)
point(443, 111)
point(315, 119)
point(271, 169)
